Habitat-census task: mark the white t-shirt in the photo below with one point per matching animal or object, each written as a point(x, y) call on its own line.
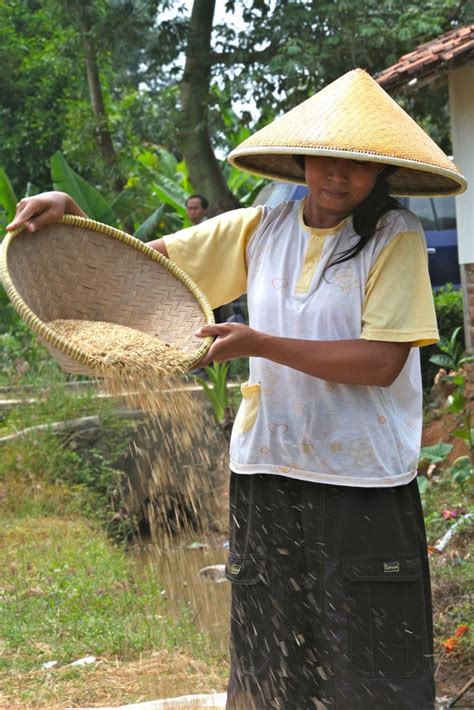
point(290, 423)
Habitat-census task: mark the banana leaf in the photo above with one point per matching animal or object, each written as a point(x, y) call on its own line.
point(149, 227)
point(168, 163)
point(168, 192)
point(87, 197)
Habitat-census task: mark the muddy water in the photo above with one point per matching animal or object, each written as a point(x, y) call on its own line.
point(177, 572)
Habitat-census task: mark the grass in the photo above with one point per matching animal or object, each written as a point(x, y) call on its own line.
point(67, 592)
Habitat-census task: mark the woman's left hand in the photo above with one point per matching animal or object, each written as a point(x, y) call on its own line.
point(233, 340)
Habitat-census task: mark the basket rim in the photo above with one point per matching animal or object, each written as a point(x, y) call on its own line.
point(60, 342)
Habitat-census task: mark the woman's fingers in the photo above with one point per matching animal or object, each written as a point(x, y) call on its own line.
point(233, 340)
point(35, 212)
point(28, 213)
point(212, 330)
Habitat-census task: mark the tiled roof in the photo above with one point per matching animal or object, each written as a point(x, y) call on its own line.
point(431, 60)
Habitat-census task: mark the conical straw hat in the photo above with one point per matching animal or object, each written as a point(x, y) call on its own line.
point(353, 117)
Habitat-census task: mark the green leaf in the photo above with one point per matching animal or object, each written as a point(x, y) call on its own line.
point(169, 193)
point(148, 228)
point(8, 198)
point(87, 197)
point(217, 394)
point(442, 360)
point(122, 204)
point(423, 484)
point(168, 163)
point(457, 402)
point(435, 454)
point(462, 434)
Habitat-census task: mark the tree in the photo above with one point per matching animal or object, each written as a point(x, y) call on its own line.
point(186, 81)
point(194, 135)
point(287, 51)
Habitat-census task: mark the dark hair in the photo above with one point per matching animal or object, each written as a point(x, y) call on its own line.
point(368, 212)
point(204, 202)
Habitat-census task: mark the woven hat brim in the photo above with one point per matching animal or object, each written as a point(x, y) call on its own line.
point(59, 344)
point(353, 117)
point(411, 179)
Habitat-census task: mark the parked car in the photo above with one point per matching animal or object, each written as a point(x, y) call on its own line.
point(437, 215)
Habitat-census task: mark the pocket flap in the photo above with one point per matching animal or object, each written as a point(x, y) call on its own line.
point(383, 569)
point(246, 570)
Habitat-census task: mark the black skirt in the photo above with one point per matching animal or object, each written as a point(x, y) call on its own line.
point(331, 603)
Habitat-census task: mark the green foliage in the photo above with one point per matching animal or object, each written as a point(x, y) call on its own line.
point(449, 313)
point(8, 198)
point(216, 390)
point(453, 356)
point(435, 454)
point(462, 471)
point(159, 184)
point(87, 197)
point(23, 360)
point(8, 317)
point(278, 56)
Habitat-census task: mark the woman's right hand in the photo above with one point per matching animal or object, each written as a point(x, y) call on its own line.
point(45, 208)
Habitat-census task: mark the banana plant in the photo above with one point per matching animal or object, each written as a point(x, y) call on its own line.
point(89, 199)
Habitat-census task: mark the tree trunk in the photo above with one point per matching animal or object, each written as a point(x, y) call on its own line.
point(104, 139)
point(195, 143)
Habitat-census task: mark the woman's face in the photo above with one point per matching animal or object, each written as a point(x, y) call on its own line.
point(337, 186)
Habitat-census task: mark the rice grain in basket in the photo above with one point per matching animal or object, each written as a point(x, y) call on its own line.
point(128, 361)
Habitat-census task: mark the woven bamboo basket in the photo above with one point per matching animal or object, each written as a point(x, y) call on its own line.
point(84, 270)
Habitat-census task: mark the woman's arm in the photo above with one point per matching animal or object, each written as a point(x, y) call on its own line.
point(349, 362)
point(46, 208)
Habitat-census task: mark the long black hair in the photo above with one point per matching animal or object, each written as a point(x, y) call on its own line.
point(368, 212)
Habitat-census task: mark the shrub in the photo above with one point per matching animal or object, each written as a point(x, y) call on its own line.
point(449, 313)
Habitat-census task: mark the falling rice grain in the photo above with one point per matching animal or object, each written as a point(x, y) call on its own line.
point(176, 477)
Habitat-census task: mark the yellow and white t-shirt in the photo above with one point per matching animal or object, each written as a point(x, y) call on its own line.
point(290, 423)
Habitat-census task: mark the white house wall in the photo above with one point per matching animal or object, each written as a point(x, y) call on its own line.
point(461, 100)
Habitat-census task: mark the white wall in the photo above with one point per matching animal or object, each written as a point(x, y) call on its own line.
point(461, 102)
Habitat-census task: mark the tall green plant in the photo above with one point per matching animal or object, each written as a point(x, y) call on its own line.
point(216, 391)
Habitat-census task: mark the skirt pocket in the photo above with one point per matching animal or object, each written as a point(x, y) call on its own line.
point(249, 618)
point(385, 610)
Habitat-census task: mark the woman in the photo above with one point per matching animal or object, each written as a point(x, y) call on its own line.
point(330, 584)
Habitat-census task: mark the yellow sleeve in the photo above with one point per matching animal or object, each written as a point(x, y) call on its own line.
point(398, 304)
point(213, 253)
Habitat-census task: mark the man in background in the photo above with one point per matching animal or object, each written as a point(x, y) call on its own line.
point(196, 207)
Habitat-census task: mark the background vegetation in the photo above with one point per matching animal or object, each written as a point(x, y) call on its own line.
point(108, 82)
